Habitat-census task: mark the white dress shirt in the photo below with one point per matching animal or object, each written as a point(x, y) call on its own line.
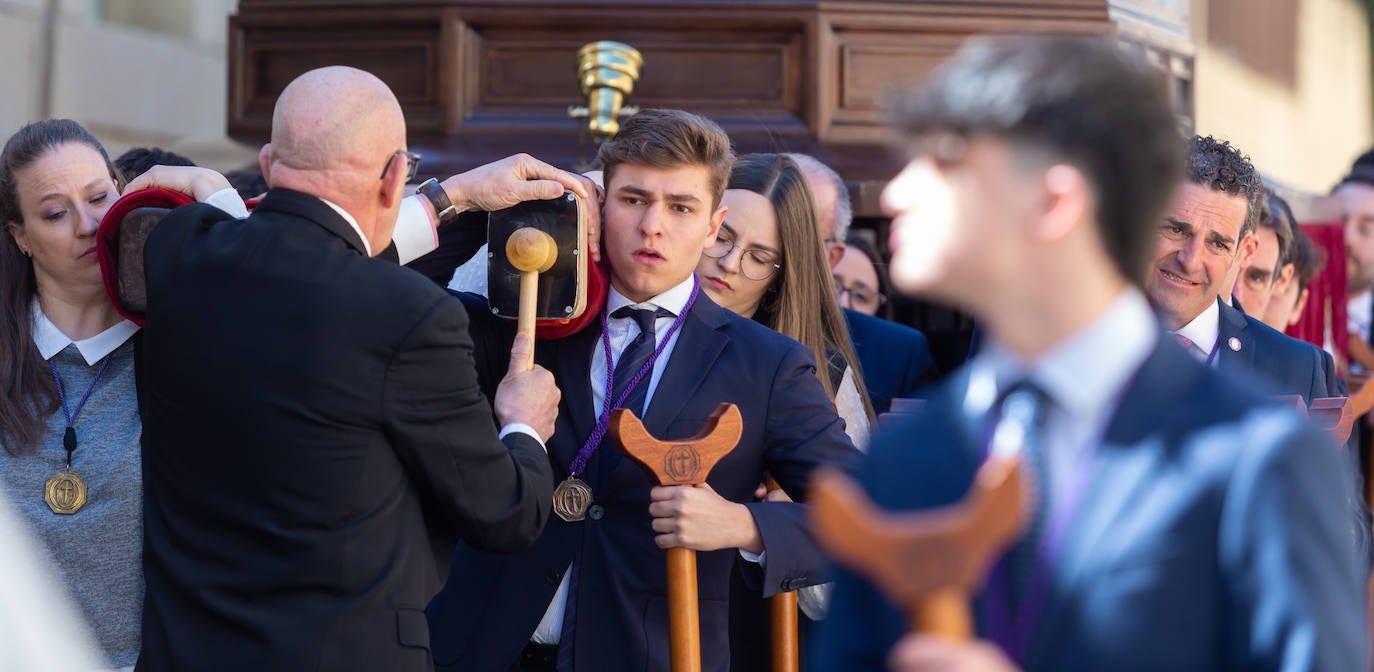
point(1084, 377)
point(50, 340)
point(1204, 331)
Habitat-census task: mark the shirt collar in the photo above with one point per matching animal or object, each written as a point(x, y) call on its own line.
point(1204, 328)
point(673, 300)
point(50, 340)
point(1084, 374)
point(367, 247)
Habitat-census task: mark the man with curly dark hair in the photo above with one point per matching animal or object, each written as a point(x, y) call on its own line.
point(1206, 236)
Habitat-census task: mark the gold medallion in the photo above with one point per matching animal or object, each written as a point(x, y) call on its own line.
point(65, 493)
point(570, 499)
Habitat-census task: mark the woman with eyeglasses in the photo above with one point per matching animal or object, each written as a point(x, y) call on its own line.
point(860, 280)
point(768, 264)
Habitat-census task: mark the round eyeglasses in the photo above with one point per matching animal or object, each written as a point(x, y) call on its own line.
point(755, 264)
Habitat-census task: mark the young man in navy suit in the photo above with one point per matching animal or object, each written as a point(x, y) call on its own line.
point(1184, 524)
point(591, 593)
point(1206, 236)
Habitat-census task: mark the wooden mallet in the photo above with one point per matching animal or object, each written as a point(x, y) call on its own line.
point(684, 462)
point(532, 252)
point(928, 561)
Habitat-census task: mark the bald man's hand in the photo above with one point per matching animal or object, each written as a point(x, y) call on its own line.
point(520, 178)
point(198, 183)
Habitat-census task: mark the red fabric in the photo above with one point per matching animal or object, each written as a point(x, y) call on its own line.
point(1326, 301)
point(107, 238)
point(598, 287)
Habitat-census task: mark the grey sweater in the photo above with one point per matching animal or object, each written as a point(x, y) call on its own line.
point(98, 550)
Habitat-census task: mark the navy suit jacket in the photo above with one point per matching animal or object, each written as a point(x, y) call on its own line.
point(491, 604)
point(1211, 536)
point(1287, 364)
point(894, 358)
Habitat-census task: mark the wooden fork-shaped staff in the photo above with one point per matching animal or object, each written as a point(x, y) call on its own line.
point(686, 462)
point(931, 560)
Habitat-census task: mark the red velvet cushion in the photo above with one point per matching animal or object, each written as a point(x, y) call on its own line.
point(107, 238)
point(598, 287)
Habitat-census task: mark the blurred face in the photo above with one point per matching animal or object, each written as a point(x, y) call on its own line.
point(857, 282)
point(1255, 282)
point(956, 227)
point(656, 223)
point(1283, 309)
point(1199, 244)
point(62, 197)
point(752, 226)
point(1357, 205)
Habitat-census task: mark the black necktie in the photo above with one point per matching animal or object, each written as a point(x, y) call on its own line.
point(633, 357)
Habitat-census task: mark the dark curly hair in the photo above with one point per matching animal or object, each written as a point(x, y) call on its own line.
point(1222, 167)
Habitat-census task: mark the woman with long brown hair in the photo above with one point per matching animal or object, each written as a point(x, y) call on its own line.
point(69, 420)
point(769, 264)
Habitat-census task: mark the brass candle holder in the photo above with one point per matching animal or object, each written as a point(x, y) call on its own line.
point(607, 71)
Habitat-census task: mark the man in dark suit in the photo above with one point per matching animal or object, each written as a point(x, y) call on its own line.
point(1180, 522)
point(591, 593)
point(1204, 239)
point(311, 415)
point(895, 359)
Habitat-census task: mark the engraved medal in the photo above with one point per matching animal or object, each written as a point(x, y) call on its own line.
point(65, 493)
point(571, 499)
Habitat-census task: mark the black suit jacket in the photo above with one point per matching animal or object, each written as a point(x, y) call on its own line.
point(307, 411)
point(491, 605)
point(1290, 365)
point(894, 358)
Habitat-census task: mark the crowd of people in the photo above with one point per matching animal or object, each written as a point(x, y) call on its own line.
point(306, 455)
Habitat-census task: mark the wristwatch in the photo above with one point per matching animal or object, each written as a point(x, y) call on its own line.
point(443, 207)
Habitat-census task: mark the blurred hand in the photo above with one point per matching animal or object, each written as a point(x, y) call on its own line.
point(520, 178)
point(198, 183)
point(698, 518)
point(762, 493)
point(528, 397)
point(931, 653)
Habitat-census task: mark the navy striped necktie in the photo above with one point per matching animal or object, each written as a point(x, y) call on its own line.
point(633, 357)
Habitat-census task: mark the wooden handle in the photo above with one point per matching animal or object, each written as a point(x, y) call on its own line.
point(684, 623)
point(945, 613)
point(532, 252)
point(783, 608)
point(786, 655)
point(529, 296)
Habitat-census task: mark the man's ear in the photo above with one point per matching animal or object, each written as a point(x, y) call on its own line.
point(1068, 198)
point(265, 162)
point(1248, 245)
point(717, 218)
point(394, 184)
point(834, 253)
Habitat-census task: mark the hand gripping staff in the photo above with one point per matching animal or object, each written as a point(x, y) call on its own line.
point(685, 462)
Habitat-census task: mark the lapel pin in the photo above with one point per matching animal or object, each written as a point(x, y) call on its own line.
point(1234, 344)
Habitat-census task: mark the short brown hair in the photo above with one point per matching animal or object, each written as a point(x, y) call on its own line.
point(668, 139)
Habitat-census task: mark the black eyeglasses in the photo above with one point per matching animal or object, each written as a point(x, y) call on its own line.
point(756, 264)
point(860, 296)
point(412, 164)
